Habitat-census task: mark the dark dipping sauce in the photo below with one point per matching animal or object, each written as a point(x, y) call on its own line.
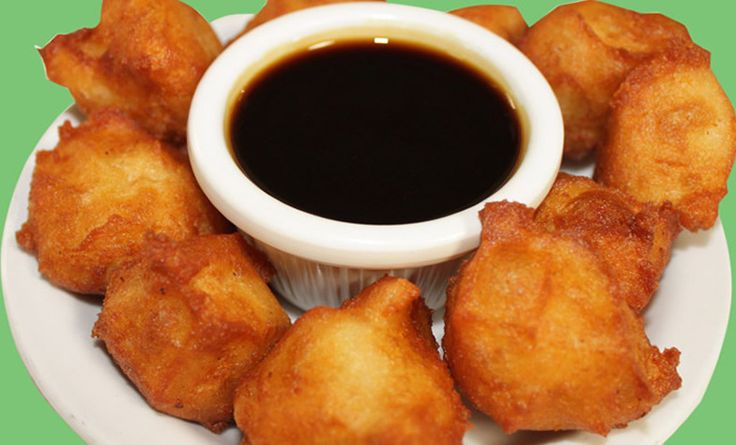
point(375, 133)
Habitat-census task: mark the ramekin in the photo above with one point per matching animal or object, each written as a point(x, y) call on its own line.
point(324, 262)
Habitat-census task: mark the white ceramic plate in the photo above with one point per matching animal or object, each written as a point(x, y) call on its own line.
point(52, 332)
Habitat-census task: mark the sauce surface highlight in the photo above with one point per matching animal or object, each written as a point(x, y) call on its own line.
point(374, 133)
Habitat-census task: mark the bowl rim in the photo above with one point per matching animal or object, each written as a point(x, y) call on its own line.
point(361, 245)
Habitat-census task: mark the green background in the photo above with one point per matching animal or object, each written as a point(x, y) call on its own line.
point(30, 103)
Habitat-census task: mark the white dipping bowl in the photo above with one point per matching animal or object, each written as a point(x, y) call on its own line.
point(322, 261)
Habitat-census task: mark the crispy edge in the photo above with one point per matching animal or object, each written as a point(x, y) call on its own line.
point(503, 222)
point(97, 64)
point(386, 302)
point(56, 266)
point(650, 229)
point(699, 209)
point(584, 91)
point(169, 267)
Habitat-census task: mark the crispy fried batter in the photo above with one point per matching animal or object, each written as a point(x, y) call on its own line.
point(367, 373)
point(505, 21)
point(276, 8)
point(145, 57)
point(672, 137)
point(185, 321)
point(634, 240)
point(99, 192)
point(585, 50)
point(539, 338)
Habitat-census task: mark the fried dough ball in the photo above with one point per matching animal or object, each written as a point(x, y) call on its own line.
point(672, 137)
point(99, 192)
point(634, 240)
point(585, 50)
point(505, 21)
point(185, 321)
point(538, 337)
point(367, 373)
point(276, 8)
point(146, 58)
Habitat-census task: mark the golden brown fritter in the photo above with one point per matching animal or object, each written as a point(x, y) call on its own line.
point(185, 321)
point(505, 21)
point(146, 58)
point(99, 192)
point(276, 8)
point(672, 137)
point(538, 337)
point(367, 373)
point(634, 240)
point(585, 50)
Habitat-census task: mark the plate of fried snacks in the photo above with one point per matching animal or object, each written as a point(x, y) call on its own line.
point(144, 316)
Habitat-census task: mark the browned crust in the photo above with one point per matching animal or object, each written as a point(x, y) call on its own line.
point(184, 321)
point(585, 50)
point(100, 192)
point(539, 337)
point(145, 58)
point(634, 240)
point(366, 373)
point(672, 137)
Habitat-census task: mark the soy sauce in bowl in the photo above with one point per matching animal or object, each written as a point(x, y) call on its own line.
point(375, 132)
